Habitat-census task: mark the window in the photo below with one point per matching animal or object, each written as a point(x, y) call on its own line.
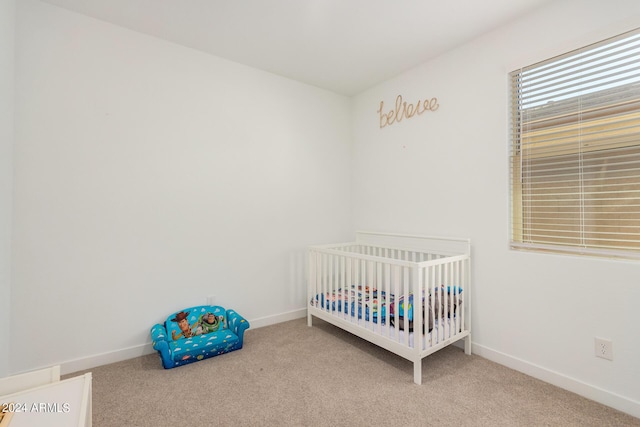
point(575, 151)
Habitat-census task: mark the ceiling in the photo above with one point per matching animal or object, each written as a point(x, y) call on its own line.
point(345, 46)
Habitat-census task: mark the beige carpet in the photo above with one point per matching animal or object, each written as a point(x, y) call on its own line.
point(293, 375)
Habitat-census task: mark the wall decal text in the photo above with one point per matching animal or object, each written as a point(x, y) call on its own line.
point(405, 110)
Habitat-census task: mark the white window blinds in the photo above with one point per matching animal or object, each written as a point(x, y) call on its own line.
point(575, 151)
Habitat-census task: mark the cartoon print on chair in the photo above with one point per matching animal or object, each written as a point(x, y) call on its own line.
point(209, 322)
point(183, 324)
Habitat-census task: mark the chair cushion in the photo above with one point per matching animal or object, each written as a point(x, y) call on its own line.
point(203, 346)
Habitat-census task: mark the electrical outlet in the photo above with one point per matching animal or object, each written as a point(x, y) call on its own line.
point(211, 300)
point(604, 348)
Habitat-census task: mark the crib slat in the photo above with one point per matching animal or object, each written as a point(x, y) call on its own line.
point(441, 309)
point(350, 280)
point(354, 286)
point(433, 309)
point(331, 282)
point(367, 303)
point(418, 317)
point(396, 292)
point(381, 302)
point(323, 280)
point(343, 287)
point(407, 303)
point(387, 287)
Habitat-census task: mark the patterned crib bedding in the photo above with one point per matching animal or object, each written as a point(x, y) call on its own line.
point(441, 303)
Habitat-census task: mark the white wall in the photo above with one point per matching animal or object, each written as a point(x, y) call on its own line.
point(7, 27)
point(149, 176)
point(446, 173)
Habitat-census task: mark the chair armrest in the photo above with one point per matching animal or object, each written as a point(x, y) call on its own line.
point(160, 342)
point(158, 334)
point(237, 324)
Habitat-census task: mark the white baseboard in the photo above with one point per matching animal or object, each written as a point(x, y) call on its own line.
point(90, 362)
point(278, 318)
point(591, 392)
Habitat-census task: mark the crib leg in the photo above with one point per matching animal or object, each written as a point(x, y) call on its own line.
point(417, 371)
point(309, 323)
point(467, 345)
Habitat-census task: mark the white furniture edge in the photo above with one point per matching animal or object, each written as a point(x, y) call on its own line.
point(85, 417)
point(27, 380)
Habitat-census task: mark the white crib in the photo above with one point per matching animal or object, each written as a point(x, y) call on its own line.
point(362, 288)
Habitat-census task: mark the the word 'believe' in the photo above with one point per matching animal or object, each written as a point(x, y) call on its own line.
point(404, 110)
